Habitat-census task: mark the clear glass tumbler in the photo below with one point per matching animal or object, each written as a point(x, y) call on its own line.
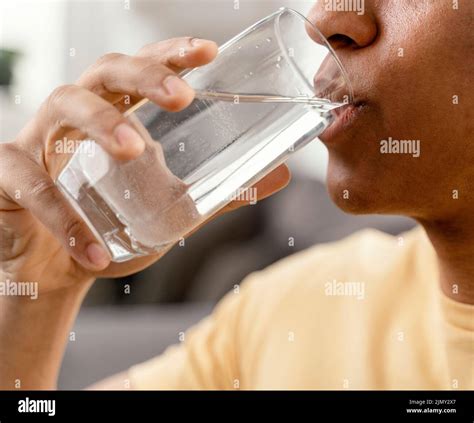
point(270, 91)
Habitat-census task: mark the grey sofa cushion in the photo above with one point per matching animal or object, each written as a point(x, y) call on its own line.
point(111, 339)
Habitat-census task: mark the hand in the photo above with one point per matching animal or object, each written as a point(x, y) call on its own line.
point(37, 223)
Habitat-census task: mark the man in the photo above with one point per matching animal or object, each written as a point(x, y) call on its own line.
point(368, 312)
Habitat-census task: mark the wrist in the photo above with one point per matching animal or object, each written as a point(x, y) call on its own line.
point(34, 333)
point(20, 288)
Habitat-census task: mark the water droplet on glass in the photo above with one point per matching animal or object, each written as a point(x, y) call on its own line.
point(250, 73)
point(269, 40)
point(278, 65)
point(279, 59)
point(257, 46)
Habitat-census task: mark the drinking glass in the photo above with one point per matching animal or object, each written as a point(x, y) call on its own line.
point(270, 91)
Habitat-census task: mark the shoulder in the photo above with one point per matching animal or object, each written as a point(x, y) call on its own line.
point(367, 250)
point(369, 259)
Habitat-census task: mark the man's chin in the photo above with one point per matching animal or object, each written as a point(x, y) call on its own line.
point(352, 197)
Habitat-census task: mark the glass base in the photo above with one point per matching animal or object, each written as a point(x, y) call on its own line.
point(101, 219)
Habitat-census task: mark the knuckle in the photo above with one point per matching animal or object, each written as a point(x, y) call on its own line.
point(45, 189)
point(95, 72)
point(153, 74)
point(58, 96)
point(107, 59)
point(8, 238)
point(174, 44)
point(181, 40)
point(52, 108)
point(104, 120)
point(105, 116)
point(188, 40)
point(72, 228)
point(7, 148)
point(147, 48)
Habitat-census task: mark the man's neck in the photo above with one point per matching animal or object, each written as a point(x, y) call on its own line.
point(454, 246)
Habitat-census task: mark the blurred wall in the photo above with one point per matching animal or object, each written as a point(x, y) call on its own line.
point(60, 39)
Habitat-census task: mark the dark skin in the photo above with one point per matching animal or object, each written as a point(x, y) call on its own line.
point(411, 98)
point(403, 97)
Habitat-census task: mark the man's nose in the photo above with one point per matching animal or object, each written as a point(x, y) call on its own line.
point(344, 28)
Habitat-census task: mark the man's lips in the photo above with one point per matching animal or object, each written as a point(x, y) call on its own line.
point(344, 118)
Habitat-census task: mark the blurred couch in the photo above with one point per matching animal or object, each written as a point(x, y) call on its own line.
point(111, 339)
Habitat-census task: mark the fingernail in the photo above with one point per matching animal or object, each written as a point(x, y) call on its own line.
point(97, 255)
point(127, 136)
point(174, 85)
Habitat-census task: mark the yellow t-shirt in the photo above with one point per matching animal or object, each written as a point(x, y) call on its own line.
point(362, 313)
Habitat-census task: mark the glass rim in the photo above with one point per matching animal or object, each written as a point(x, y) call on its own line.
point(260, 22)
point(297, 14)
point(347, 81)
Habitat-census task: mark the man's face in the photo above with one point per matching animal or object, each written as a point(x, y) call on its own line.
point(411, 64)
